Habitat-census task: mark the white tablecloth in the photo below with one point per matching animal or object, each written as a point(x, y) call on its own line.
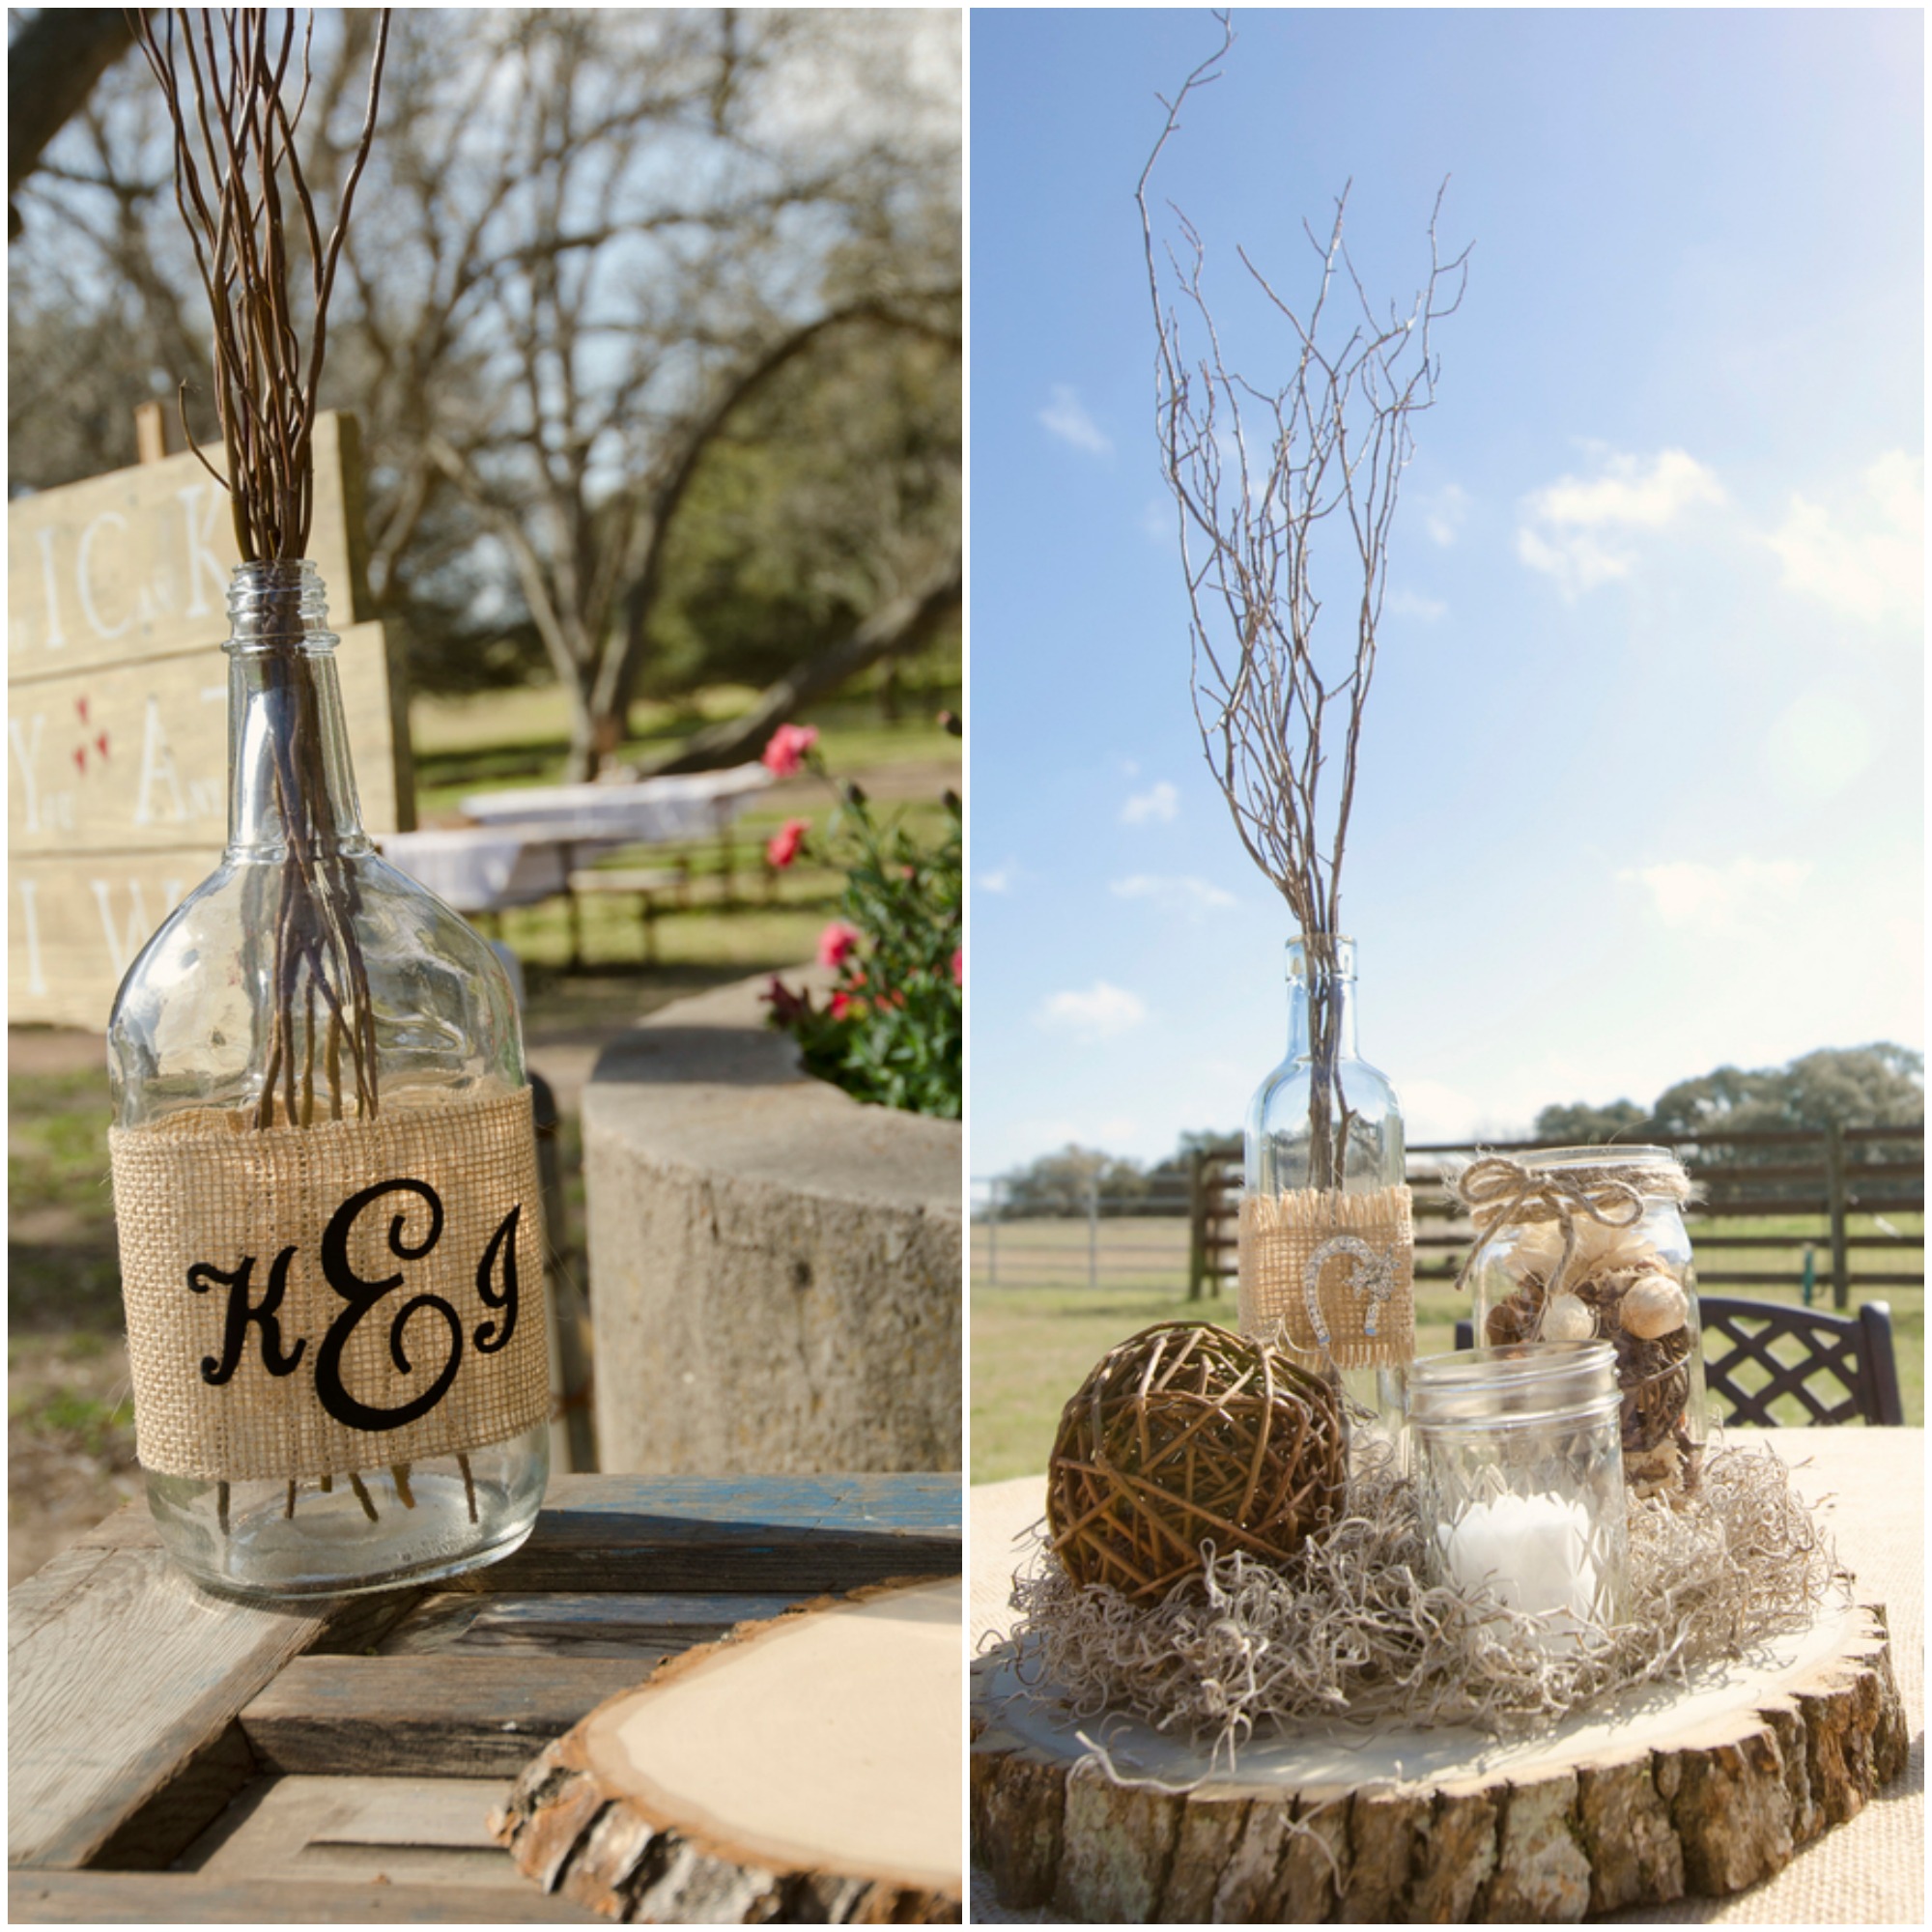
point(1869, 1487)
point(476, 871)
point(525, 843)
point(647, 811)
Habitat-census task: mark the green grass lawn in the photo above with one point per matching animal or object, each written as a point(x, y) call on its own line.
point(499, 739)
point(1033, 1345)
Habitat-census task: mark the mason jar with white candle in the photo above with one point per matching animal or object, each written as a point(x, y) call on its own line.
point(1519, 1470)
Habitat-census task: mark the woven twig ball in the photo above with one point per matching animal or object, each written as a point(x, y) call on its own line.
point(1186, 1435)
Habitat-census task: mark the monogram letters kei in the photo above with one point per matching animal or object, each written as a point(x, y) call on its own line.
point(291, 1315)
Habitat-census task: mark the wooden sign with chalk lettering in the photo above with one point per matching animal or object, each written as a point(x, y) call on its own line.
point(117, 709)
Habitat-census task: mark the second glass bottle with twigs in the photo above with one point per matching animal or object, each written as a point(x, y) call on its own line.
point(1324, 1218)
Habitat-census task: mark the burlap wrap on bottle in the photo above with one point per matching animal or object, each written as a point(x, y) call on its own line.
point(1330, 1276)
point(313, 1301)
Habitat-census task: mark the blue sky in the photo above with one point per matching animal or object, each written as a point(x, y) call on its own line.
point(1642, 780)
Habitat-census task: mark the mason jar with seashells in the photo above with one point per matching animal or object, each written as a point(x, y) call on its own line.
point(1576, 1244)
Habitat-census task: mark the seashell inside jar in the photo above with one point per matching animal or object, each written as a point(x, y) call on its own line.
point(1577, 1244)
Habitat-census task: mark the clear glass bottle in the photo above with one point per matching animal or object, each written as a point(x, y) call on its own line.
point(193, 1028)
point(1629, 1283)
point(1324, 1119)
point(1519, 1480)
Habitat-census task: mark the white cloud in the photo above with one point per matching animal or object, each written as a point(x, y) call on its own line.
point(1189, 895)
point(1412, 604)
point(1865, 554)
point(1567, 529)
point(1444, 514)
point(1103, 1011)
point(1067, 418)
point(1162, 803)
point(1820, 742)
point(1691, 896)
point(998, 878)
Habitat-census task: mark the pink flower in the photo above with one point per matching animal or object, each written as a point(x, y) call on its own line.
point(843, 1004)
point(958, 965)
point(786, 751)
point(835, 942)
point(783, 846)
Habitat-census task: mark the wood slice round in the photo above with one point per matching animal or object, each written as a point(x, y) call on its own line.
point(807, 1769)
point(1703, 1790)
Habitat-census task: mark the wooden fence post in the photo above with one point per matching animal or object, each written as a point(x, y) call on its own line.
point(151, 433)
point(1835, 1182)
point(1197, 1224)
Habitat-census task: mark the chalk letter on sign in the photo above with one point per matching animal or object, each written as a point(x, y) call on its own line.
point(157, 767)
point(83, 571)
point(56, 638)
point(30, 933)
point(121, 946)
point(26, 755)
point(203, 562)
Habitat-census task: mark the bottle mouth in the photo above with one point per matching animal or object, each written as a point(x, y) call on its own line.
point(277, 600)
point(1305, 960)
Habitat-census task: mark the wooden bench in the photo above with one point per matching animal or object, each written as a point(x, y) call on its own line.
point(177, 1757)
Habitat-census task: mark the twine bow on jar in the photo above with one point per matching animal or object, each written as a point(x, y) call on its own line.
point(1500, 1193)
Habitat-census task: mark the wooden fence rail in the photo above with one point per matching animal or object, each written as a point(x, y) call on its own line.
point(1832, 1185)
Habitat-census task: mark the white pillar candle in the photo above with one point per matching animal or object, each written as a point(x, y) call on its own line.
point(1531, 1553)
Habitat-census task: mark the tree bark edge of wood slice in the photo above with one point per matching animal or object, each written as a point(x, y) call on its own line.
point(588, 1820)
point(1708, 1814)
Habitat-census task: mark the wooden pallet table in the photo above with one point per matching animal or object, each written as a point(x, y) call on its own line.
point(177, 1757)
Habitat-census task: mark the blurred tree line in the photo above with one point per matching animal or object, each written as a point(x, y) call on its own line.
point(1875, 1086)
point(651, 318)
point(1063, 1184)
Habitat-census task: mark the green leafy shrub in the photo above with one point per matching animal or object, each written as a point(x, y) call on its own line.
point(890, 1030)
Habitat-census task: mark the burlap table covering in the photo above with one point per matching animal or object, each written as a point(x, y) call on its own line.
point(311, 1302)
point(1870, 1487)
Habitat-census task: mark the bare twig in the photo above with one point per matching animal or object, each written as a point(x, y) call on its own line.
point(225, 78)
point(1256, 473)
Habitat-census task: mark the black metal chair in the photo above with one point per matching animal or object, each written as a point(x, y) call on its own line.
point(1791, 1346)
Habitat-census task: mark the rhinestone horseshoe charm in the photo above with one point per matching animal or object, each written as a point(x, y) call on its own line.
point(1372, 1273)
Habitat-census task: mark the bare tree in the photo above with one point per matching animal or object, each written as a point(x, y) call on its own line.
point(53, 59)
point(1259, 474)
point(596, 237)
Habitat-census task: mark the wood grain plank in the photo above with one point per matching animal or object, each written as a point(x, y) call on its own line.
point(97, 1724)
point(639, 1625)
point(178, 1810)
point(400, 1831)
point(433, 1716)
point(186, 1898)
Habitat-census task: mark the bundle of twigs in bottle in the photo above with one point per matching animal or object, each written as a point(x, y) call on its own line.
point(251, 217)
point(1256, 471)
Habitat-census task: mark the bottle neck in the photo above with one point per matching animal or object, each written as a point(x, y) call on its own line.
point(1321, 1000)
point(290, 776)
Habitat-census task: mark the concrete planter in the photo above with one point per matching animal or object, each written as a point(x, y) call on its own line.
point(776, 1268)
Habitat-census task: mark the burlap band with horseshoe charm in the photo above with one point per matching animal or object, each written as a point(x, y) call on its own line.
point(1330, 1277)
point(309, 1303)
